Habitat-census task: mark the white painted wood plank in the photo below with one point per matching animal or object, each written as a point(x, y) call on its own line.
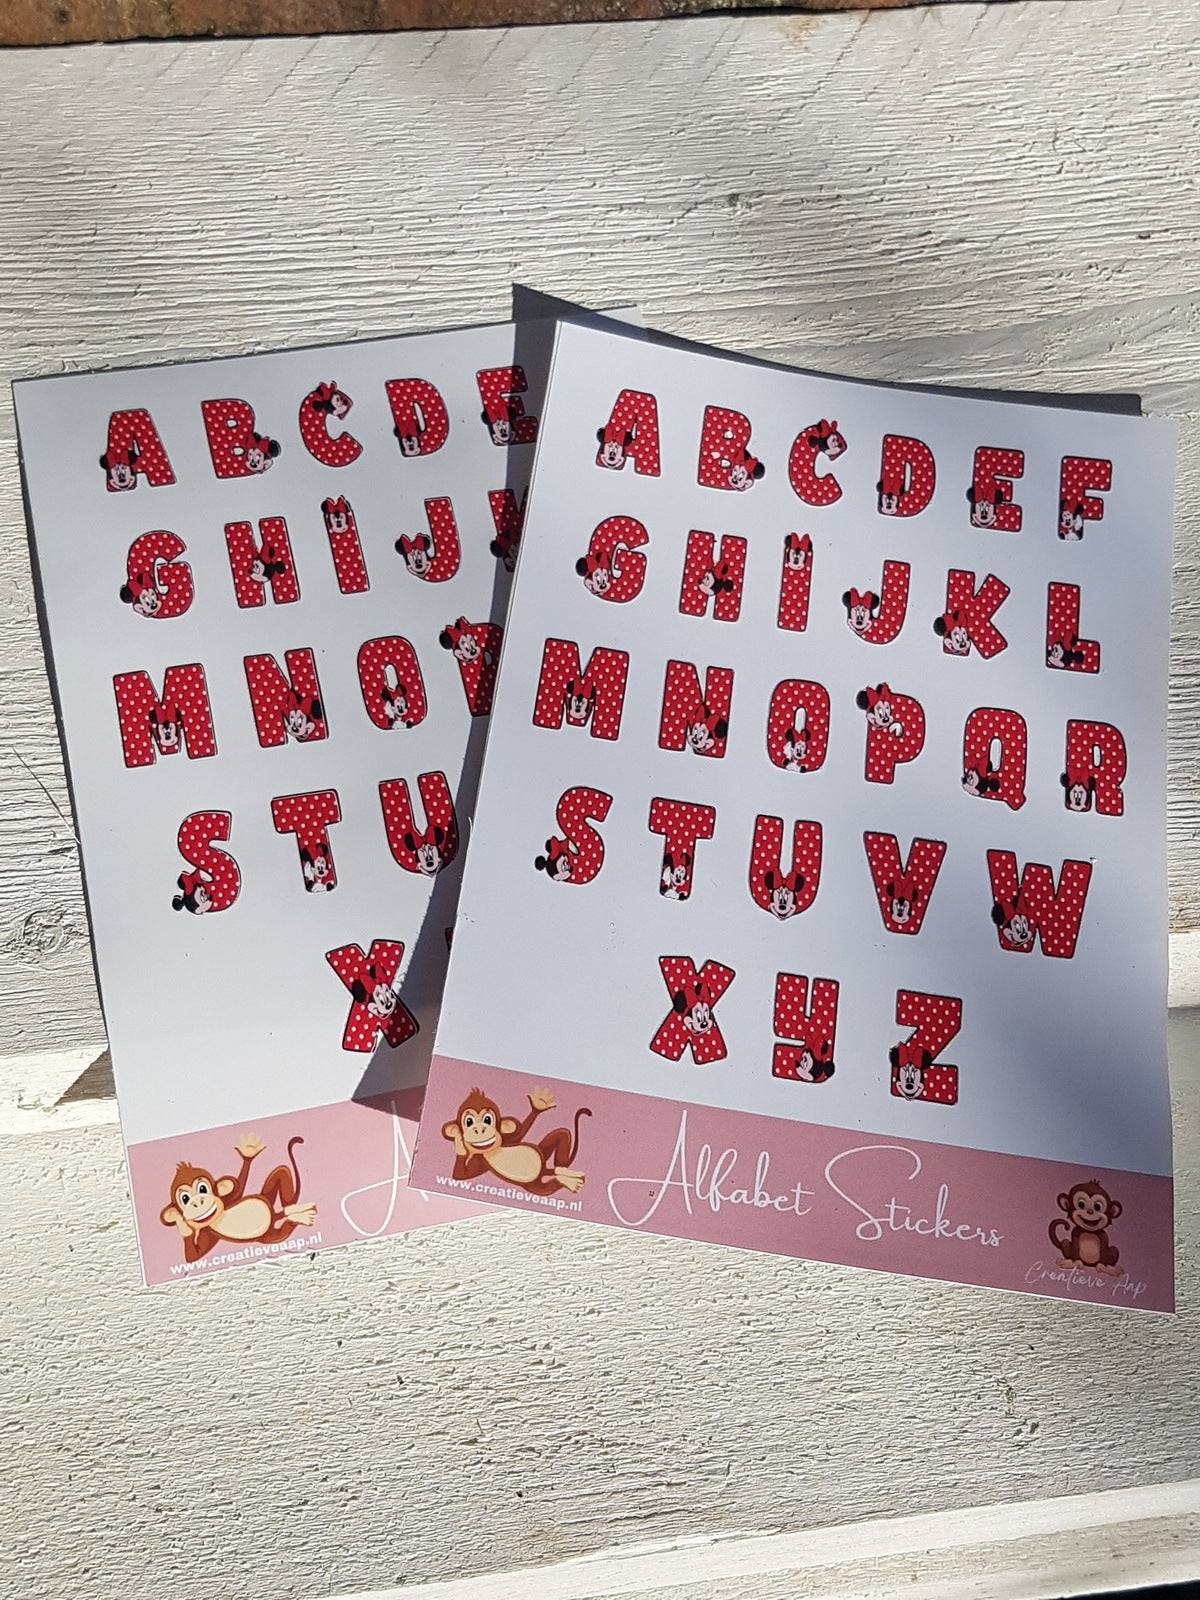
point(999, 196)
point(1080, 1544)
point(518, 1391)
point(988, 195)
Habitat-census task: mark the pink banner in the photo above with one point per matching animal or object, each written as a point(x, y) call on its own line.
point(282, 1186)
point(797, 1189)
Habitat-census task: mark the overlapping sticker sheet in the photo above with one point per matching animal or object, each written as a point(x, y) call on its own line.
point(275, 589)
point(816, 900)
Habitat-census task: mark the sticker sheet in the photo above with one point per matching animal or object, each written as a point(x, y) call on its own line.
point(274, 590)
point(816, 902)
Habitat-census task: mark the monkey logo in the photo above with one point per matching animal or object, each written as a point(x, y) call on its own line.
point(485, 1141)
point(206, 1210)
point(1081, 1236)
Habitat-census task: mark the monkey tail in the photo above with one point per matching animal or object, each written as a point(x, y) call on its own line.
point(582, 1112)
point(1059, 1244)
point(292, 1143)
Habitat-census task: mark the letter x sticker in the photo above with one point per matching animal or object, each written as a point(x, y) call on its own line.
point(691, 1024)
point(377, 1008)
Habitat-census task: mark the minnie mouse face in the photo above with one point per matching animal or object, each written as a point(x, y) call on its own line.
point(795, 749)
point(700, 737)
point(889, 500)
point(812, 1068)
point(120, 469)
point(910, 1079)
point(462, 643)
point(556, 863)
point(1070, 521)
point(427, 850)
point(266, 566)
point(142, 596)
point(795, 555)
point(951, 629)
point(612, 450)
point(165, 728)
point(499, 427)
point(410, 444)
point(835, 444)
point(504, 548)
point(741, 476)
point(329, 400)
point(395, 705)
point(579, 701)
point(260, 454)
point(318, 871)
point(1077, 795)
point(983, 511)
point(370, 991)
point(901, 904)
point(1019, 930)
point(1061, 654)
point(714, 581)
point(599, 580)
point(383, 1001)
point(596, 570)
point(337, 517)
point(194, 895)
point(300, 718)
point(882, 715)
point(673, 883)
point(418, 554)
point(981, 779)
point(698, 1017)
point(1016, 929)
point(782, 895)
point(861, 609)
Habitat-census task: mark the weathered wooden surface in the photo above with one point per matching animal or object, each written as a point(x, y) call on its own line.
point(998, 195)
point(75, 21)
point(510, 1392)
point(861, 193)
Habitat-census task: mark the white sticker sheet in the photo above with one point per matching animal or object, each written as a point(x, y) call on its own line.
point(274, 588)
point(822, 824)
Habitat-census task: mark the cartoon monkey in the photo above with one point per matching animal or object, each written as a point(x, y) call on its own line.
point(1082, 1235)
point(206, 1210)
point(485, 1141)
